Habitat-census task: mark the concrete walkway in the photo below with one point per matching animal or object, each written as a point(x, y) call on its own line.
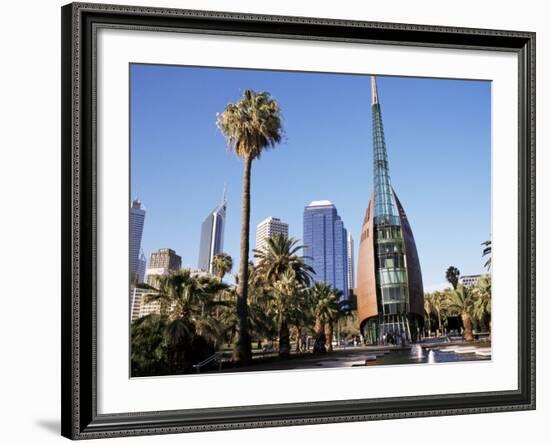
point(362, 356)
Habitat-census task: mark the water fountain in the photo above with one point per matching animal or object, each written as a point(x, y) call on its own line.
point(416, 351)
point(431, 356)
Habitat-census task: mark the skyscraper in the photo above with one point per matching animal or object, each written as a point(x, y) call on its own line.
point(161, 263)
point(137, 220)
point(351, 263)
point(212, 232)
point(142, 267)
point(390, 295)
point(325, 245)
point(468, 280)
point(269, 228)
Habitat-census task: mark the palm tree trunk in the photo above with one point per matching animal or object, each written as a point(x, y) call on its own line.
point(429, 324)
point(467, 322)
point(439, 321)
point(284, 340)
point(298, 339)
point(329, 332)
point(242, 353)
point(320, 339)
point(219, 298)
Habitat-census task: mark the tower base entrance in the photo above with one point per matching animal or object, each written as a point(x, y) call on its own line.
point(392, 329)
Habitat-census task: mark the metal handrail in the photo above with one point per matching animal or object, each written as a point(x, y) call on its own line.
point(214, 357)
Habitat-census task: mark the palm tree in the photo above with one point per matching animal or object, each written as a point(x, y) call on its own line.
point(250, 126)
point(482, 304)
point(262, 323)
point(462, 301)
point(332, 312)
point(350, 326)
point(428, 307)
point(286, 291)
point(326, 304)
point(487, 250)
point(185, 302)
point(346, 311)
point(438, 303)
point(206, 323)
point(259, 320)
point(258, 290)
point(186, 295)
point(222, 264)
point(280, 255)
point(301, 316)
point(148, 348)
point(452, 275)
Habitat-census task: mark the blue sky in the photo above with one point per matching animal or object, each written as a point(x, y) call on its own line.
point(438, 135)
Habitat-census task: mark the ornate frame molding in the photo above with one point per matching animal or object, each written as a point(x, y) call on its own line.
point(79, 392)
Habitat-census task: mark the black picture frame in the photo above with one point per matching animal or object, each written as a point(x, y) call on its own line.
point(79, 174)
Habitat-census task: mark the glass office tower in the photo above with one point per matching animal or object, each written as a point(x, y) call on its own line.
point(137, 220)
point(212, 232)
point(389, 281)
point(325, 245)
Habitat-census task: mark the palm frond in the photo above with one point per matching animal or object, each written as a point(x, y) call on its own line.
point(251, 125)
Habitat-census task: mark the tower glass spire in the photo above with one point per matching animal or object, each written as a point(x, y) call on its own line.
point(384, 203)
point(391, 279)
point(390, 294)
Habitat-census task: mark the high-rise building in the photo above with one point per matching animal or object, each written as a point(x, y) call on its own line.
point(325, 245)
point(267, 229)
point(140, 305)
point(137, 220)
point(351, 263)
point(212, 232)
point(165, 258)
point(390, 295)
point(162, 262)
point(142, 267)
point(137, 296)
point(468, 280)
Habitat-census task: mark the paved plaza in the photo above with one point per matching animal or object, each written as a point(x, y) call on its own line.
point(362, 356)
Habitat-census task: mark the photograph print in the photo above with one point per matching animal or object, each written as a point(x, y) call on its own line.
point(306, 220)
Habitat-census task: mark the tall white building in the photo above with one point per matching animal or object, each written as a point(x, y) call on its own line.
point(137, 296)
point(137, 220)
point(351, 275)
point(468, 280)
point(140, 307)
point(269, 228)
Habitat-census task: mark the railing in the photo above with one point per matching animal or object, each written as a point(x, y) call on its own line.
point(213, 358)
point(268, 349)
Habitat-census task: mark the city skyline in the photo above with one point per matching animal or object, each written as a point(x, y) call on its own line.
point(176, 225)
